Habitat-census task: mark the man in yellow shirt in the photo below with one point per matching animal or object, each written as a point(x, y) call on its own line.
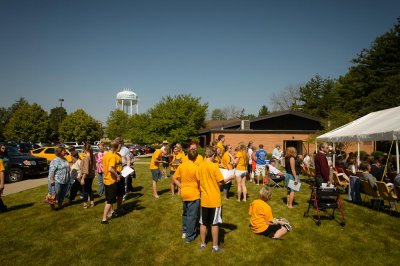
point(112, 167)
point(193, 146)
point(186, 179)
point(155, 162)
point(261, 220)
point(210, 212)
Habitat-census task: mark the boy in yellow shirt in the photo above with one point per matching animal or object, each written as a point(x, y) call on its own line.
point(261, 221)
point(112, 167)
point(186, 179)
point(210, 212)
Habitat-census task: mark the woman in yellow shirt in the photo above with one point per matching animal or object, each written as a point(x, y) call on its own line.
point(177, 159)
point(241, 161)
point(261, 220)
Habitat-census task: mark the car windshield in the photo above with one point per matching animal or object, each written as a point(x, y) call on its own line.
point(13, 151)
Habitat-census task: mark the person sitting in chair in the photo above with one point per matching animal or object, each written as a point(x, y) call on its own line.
point(274, 172)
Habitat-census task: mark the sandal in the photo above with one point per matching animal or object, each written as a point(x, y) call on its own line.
point(91, 204)
point(85, 206)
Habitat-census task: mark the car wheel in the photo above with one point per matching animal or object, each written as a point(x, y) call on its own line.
point(15, 175)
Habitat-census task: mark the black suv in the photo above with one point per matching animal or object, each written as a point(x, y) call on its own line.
point(20, 165)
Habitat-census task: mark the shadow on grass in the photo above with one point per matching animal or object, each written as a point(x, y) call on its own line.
point(224, 229)
point(133, 196)
point(132, 206)
point(164, 191)
point(20, 206)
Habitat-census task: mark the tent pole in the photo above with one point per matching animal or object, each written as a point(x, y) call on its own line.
point(358, 153)
point(334, 155)
point(397, 154)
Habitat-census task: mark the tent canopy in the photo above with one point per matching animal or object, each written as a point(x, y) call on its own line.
point(377, 126)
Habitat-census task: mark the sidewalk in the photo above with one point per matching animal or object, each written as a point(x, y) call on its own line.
point(23, 185)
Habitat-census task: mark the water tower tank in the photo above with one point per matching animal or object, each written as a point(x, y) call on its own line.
point(126, 100)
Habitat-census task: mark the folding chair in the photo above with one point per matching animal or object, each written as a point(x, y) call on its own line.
point(275, 180)
point(369, 192)
point(386, 194)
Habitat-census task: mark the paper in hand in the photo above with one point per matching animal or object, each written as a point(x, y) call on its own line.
point(126, 171)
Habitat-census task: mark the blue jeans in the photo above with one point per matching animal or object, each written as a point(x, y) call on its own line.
point(189, 218)
point(100, 177)
point(61, 190)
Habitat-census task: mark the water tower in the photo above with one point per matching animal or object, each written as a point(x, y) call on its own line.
point(125, 101)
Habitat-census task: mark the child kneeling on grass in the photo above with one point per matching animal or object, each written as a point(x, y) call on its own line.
point(262, 221)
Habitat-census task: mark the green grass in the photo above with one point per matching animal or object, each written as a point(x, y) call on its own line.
point(150, 233)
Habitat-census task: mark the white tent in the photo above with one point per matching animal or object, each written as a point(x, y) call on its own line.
point(377, 126)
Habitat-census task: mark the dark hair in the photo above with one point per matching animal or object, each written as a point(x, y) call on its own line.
point(192, 155)
point(261, 146)
point(59, 150)
point(364, 166)
point(221, 137)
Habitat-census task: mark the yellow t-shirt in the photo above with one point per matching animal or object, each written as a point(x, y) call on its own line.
point(209, 175)
point(221, 147)
point(177, 159)
point(190, 189)
point(217, 160)
point(2, 169)
point(226, 162)
point(242, 162)
point(156, 155)
point(113, 160)
point(260, 214)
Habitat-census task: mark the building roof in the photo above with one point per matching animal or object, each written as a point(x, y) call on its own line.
point(286, 121)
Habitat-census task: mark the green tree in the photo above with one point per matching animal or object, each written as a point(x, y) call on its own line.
point(79, 126)
point(177, 118)
point(57, 115)
point(316, 96)
point(263, 111)
point(27, 123)
point(373, 82)
point(139, 130)
point(117, 124)
point(218, 114)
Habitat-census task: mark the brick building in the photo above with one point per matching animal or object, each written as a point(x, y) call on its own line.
point(289, 128)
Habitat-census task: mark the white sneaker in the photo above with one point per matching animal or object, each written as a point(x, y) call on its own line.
point(184, 235)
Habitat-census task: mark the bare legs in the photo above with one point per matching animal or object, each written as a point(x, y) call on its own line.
point(241, 183)
point(290, 199)
point(214, 234)
point(155, 194)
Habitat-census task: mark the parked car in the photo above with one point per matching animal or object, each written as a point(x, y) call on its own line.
point(21, 165)
point(49, 153)
point(71, 143)
point(149, 149)
point(136, 150)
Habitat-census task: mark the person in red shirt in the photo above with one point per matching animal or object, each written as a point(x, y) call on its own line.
point(322, 170)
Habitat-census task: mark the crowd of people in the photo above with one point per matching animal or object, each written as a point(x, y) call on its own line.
point(201, 182)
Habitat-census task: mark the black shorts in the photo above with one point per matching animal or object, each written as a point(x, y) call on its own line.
point(210, 216)
point(121, 187)
point(271, 230)
point(111, 193)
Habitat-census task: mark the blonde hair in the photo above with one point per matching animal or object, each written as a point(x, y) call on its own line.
point(265, 194)
point(291, 152)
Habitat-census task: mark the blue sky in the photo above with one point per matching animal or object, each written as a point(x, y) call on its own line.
point(226, 52)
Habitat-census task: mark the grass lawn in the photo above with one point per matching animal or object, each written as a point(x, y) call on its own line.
point(150, 233)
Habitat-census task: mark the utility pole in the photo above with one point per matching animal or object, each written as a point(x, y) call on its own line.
point(61, 101)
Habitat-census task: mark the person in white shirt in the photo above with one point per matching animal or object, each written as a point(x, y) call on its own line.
point(273, 170)
point(126, 161)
